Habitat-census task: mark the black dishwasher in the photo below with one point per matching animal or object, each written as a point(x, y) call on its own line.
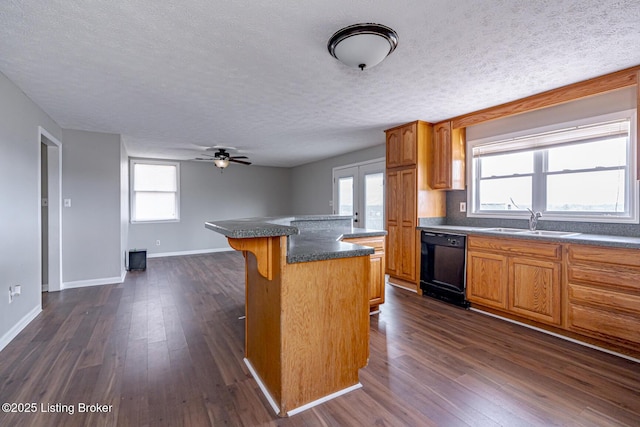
point(442, 267)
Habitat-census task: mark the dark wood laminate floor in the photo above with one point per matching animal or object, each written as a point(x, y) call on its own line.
point(165, 348)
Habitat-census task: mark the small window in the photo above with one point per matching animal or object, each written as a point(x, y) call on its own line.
point(155, 192)
point(583, 171)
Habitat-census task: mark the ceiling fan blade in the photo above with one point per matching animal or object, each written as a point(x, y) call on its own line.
point(239, 161)
point(201, 158)
point(238, 157)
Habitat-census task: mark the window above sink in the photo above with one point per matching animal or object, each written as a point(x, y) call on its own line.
point(575, 171)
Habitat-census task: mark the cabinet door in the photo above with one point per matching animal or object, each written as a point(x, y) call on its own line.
point(408, 223)
point(441, 168)
point(394, 148)
point(409, 153)
point(376, 268)
point(376, 280)
point(392, 216)
point(487, 278)
point(408, 253)
point(534, 289)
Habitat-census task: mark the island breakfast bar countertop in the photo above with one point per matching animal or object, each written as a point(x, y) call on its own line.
point(310, 237)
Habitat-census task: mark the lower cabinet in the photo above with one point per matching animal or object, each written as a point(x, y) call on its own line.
point(376, 273)
point(535, 289)
point(487, 278)
point(591, 291)
point(518, 276)
point(603, 293)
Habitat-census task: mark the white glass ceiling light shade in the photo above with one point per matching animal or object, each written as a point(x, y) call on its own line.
point(362, 45)
point(221, 163)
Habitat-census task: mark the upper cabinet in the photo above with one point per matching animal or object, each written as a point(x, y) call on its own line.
point(448, 168)
point(402, 147)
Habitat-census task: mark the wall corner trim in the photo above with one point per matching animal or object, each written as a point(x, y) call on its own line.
point(18, 327)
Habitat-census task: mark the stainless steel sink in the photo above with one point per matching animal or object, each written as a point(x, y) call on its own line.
point(506, 230)
point(549, 233)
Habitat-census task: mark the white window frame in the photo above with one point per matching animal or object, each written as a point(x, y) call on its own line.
point(132, 199)
point(539, 196)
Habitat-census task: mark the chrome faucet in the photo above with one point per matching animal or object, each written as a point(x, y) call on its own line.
point(533, 219)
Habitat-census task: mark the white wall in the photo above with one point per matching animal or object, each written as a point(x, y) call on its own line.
point(20, 261)
point(205, 195)
point(91, 232)
point(312, 186)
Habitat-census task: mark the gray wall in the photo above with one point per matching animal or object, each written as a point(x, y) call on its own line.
point(124, 203)
point(206, 194)
point(593, 106)
point(20, 204)
point(91, 233)
point(312, 186)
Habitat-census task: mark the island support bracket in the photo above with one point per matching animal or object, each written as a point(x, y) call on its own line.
point(262, 248)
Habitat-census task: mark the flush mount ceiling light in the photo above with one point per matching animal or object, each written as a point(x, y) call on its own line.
point(362, 45)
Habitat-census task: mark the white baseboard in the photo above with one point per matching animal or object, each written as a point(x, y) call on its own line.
point(18, 327)
point(299, 409)
point(92, 282)
point(544, 331)
point(182, 253)
point(45, 287)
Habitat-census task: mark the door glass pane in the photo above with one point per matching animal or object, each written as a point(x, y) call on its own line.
point(345, 196)
point(374, 201)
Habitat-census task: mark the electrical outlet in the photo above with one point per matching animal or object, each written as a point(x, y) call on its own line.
point(17, 289)
point(157, 242)
point(463, 206)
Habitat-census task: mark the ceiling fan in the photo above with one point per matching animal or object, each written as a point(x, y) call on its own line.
point(221, 158)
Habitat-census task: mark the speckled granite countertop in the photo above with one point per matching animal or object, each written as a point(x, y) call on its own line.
point(578, 238)
point(310, 237)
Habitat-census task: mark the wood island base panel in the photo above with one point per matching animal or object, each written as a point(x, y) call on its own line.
point(307, 322)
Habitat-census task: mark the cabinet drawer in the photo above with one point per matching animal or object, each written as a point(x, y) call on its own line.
point(602, 323)
point(599, 297)
point(602, 255)
point(605, 276)
point(519, 246)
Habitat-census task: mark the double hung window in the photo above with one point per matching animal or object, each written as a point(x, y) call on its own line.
point(155, 189)
point(581, 171)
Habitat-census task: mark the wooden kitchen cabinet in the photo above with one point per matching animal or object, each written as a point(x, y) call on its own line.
point(402, 149)
point(535, 289)
point(377, 270)
point(603, 293)
point(448, 169)
point(408, 198)
point(518, 276)
point(487, 276)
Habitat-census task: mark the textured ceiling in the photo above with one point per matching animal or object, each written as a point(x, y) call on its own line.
point(173, 75)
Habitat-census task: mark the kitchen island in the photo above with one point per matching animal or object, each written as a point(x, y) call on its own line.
point(307, 305)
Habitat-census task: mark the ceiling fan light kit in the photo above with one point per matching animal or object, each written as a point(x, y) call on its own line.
point(221, 159)
point(221, 163)
point(363, 45)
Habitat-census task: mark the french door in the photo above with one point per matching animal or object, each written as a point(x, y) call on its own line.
point(358, 190)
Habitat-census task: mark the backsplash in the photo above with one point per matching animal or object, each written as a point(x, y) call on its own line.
point(455, 217)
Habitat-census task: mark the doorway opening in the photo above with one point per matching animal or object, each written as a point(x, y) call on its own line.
point(50, 210)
